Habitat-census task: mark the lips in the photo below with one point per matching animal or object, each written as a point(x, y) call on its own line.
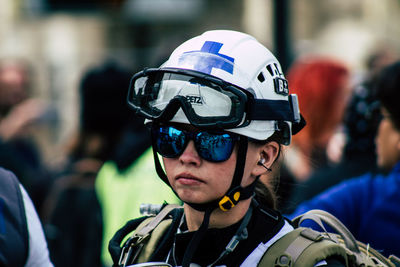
point(188, 179)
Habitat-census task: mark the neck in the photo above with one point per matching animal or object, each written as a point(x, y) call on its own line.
point(218, 218)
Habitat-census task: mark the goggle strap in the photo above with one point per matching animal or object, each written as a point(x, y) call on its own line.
point(265, 109)
point(298, 126)
point(171, 109)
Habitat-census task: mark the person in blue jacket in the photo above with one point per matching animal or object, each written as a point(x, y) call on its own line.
point(370, 204)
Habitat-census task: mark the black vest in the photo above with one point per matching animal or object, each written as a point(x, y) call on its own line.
point(14, 237)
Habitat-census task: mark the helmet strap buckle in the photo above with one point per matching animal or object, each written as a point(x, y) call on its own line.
point(230, 200)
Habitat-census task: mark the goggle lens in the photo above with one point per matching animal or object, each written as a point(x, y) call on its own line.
point(170, 142)
point(205, 100)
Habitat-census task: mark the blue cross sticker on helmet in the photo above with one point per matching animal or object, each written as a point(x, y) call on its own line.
point(205, 63)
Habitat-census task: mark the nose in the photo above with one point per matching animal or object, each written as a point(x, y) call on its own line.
point(190, 155)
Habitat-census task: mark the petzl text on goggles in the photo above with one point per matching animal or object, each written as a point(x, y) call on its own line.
point(207, 101)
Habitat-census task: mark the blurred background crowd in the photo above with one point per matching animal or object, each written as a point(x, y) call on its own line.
point(64, 73)
point(56, 41)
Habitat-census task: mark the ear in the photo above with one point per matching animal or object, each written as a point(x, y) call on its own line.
point(268, 154)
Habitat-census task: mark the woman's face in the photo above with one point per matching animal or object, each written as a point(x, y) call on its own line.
point(387, 142)
point(196, 180)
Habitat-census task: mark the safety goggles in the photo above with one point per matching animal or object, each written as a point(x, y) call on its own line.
point(205, 100)
point(170, 142)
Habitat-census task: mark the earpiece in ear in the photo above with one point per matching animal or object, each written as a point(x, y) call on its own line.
point(261, 163)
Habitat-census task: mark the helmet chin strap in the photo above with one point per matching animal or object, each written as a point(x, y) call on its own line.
point(234, 194)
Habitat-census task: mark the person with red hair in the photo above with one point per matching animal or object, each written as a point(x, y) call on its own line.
point(322, 86)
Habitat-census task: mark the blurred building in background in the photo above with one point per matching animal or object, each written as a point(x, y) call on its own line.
point(63, 38)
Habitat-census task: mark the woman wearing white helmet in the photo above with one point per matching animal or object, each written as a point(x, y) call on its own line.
point(219, 110)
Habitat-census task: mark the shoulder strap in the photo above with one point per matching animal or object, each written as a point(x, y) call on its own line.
point(301, 247)
point(363, 254)
point(142, 243)
point(149, 227)
point(155, 236)
point(306, 247)
point(320, 217)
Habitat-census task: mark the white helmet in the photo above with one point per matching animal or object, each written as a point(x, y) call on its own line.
point(237, 59)
point(219, 80)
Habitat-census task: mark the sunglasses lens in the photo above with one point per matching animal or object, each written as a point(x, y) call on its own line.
point(170, 142)
point(214, 147)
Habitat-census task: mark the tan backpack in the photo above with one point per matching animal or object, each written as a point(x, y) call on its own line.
point(306, 247)
point(302, 247)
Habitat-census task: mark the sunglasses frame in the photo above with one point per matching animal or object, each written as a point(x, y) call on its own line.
point(192, 135)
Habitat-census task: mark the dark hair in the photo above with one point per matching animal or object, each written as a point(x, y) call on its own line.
point(103, 92)
point(387, 88)
point(104, 113)
point(266, 195)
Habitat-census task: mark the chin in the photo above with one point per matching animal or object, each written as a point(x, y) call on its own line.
point(192, 200)
point(190, 197)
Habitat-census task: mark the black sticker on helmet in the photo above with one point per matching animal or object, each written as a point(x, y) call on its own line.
point(280, 83)
point(281, 86)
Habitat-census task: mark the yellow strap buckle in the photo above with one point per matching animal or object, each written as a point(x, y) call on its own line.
point(226, 203)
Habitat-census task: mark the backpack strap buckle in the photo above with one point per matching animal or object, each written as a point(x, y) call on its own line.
point(132, 248)
point(134, 245)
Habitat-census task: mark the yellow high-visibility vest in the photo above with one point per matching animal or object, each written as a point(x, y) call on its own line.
point(121, 193)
